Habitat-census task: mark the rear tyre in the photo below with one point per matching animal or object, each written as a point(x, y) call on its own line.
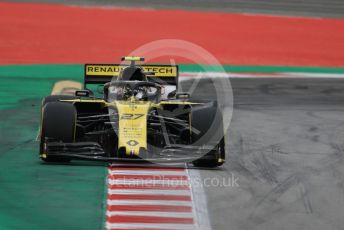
point(57, 98)
point(58, 124)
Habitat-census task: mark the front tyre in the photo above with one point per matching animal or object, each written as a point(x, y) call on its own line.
point(214, 158)
point(208, 121)
point(58, 124)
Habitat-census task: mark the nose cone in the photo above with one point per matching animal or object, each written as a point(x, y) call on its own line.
point(132, 128)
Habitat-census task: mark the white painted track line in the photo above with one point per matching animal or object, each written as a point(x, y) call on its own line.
point(200, 202)
point(146, 172)
point(150, 226)
point(149, 202)
point(149, 192)
point(133, 182)
point(141, 213)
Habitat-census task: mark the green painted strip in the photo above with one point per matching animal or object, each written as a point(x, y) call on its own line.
point(57, 72)
point(20, 82)
point(34, 195)
point(75, 71)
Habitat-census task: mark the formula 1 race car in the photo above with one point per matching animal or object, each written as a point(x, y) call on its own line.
point(139, 115)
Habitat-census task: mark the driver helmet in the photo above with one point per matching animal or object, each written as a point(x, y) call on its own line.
point(132, 73)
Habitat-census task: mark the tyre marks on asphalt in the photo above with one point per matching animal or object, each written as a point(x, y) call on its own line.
point(141, 197)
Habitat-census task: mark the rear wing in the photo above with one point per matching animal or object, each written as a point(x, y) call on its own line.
point(103, 73)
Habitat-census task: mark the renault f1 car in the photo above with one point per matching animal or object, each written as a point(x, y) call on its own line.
point(140, 115)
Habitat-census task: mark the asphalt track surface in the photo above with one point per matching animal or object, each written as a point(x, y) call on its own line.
point(285, 146)
point(319, 8)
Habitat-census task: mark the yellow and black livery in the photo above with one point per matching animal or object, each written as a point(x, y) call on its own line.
point(140, 116)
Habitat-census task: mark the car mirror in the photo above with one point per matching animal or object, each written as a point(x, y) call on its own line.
point(82, 93)
point(183, 96)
